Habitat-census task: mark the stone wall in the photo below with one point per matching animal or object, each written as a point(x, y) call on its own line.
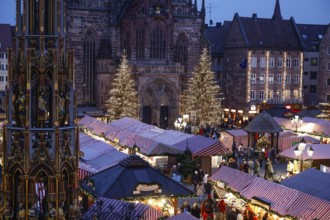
point(324, 72)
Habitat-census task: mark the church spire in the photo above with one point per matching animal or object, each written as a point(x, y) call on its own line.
point(203, 9)
point(277, 11)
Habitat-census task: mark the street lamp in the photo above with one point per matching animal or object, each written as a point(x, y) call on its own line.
point(299, 153)
point(296, 121)
point(180, 123)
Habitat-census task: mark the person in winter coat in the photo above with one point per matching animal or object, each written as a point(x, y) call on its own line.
point(256, 167)
point(185, 207)
point(207, 209)
point(195, 210)
point(231, 215)
point(221, 210)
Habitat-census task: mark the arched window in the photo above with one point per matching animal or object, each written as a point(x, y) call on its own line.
point(49, 17)
point(127, 44)
point(89, 68)
point(34, 17)
point(157, 44)
point(140, 36)
point(181, 50)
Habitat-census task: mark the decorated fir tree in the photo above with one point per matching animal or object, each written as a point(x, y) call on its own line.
point(123, 95)
point(201, 97)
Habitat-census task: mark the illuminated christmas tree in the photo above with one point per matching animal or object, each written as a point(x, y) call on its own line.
point(201, 98)
point(123, 100)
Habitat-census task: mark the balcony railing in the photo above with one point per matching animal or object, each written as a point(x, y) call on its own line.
point(280, 101)
point(168, 69)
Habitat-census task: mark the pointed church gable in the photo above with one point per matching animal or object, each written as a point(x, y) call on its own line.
point(235, 36)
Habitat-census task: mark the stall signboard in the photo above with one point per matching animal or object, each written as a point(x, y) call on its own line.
point(259, 202)
point(142, 187)
point(161, 162)
point(221, 185)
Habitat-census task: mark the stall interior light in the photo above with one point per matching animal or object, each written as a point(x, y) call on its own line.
point(302, 144)
point(185, 117)
point(297, 151)
point(310, 152)
point(180, 119)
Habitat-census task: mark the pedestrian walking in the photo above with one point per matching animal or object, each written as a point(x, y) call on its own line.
point(195, 210)
point(269, 170)
point(200, 192)
point(207, 209)
point(231, 215)
point(256, 168)
point(220, 210)
point(251, 166)
point(185, 207)
point(245, 167)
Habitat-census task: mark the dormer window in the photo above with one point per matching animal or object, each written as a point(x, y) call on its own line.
point(158, 10)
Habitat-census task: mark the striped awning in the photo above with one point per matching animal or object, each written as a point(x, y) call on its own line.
point(183, 216)
point(216, 149)
point(111, 209)
point(287, 142)
point(82, 174)
point(283, 200)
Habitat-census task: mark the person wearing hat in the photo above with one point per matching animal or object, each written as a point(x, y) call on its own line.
point(240, 216)
point(248, 213)
point(231, 215)
point(232, 163)
point(207, 208)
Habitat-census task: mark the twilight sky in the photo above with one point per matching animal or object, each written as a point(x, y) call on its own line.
point(303, 11)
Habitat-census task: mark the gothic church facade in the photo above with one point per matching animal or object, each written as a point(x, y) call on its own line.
point(161, 38)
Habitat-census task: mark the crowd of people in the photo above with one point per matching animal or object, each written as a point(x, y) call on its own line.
point(245, 161)
point(211, 209)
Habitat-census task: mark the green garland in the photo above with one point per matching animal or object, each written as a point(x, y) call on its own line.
point(238, 195)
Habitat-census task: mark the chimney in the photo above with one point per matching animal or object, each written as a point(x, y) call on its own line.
point(254, 16)
point(218, 24)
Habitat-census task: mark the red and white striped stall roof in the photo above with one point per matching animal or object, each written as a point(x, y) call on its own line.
point(234, 179)
point(282, 199)
point(183, 216)
point(321, 152)
point(152, 140)
point(287, 142)
point(112, 209)
point(86, 121)
point(216, 149)
point(97, 155)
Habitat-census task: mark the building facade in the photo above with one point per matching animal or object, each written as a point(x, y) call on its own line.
point(311, 36)
point(324, 71)
point(262, 65)
point(5, 42)
point(41, 146)
point(162, 41)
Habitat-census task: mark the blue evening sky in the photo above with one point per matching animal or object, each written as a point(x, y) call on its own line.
point(303, 11)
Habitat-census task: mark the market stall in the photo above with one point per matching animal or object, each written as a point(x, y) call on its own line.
point(158, 146)
point(239, 188)
point(96, 155)
point(237, 135)
point(321, 155)
point(133, 179)
point(183, 216)
point(287, 142)
point(111, 209)
point(312, 182)
point(307, 125)
point(263, 126)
